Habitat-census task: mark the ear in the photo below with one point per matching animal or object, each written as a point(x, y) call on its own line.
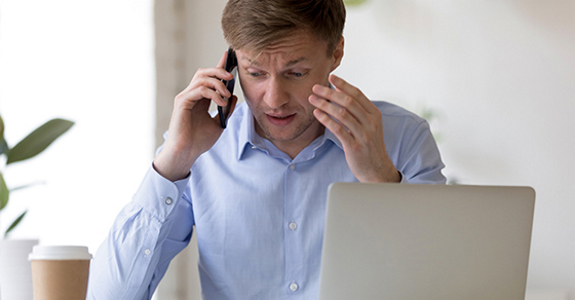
point(337, 54)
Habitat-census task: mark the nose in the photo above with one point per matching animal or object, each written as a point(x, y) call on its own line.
point(275, 94)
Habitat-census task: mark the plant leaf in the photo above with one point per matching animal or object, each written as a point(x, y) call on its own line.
point(26, 186)
point(3, 146)
point(38, 140)
point(15, 223)
point(4, 192)
point(1, 128)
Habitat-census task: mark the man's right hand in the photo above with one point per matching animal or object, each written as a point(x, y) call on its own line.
point(192, 130)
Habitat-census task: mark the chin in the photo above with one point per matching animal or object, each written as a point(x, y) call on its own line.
point(286, 134)
point(280, 135)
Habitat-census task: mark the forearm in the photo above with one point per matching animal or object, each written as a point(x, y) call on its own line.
point(146, 235)
point(173, 166)
point(387, 173)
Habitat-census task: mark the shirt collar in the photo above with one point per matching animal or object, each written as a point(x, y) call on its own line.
point(246, 133)
point(331, 137)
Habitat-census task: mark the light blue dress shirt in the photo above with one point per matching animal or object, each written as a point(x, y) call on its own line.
point(259, 215)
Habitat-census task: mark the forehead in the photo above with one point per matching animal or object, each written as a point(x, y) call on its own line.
point(294, 48)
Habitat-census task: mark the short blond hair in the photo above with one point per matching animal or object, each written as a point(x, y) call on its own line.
point(255, 24)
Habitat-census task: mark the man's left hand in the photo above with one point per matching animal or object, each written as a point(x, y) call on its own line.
point(359, 127)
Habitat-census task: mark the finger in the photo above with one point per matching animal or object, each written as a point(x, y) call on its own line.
point(213, 83)
point(221, 65)
point(342, 100)
point(341, 114)
point(205, 88)
point(346, 88)
point(340, 132)
point(201, 93)
point(218, 73)
point(222, 62)
point(232, 102)
point(213, 95)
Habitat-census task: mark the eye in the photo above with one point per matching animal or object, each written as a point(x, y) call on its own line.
point(254, 74)
point(298, 74)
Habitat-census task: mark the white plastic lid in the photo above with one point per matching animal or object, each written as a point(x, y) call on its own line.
point(59, 253)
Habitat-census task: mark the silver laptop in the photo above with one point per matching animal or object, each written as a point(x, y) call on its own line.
point(394, 241)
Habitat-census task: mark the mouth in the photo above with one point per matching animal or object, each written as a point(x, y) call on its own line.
point(280, 120)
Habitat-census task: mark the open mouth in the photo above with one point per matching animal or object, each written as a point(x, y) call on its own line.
point(282, 120)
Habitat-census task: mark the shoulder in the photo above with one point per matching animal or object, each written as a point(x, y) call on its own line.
point(395, 115)
point(401, 129)
point(393, 110)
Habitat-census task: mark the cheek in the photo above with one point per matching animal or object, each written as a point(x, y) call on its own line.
point(302, 90)
point(249, 90)
point(251, 95)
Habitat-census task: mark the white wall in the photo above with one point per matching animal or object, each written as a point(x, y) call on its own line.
point(91, 62)
point(500, 76)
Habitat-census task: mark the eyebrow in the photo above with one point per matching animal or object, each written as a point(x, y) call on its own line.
point(295, 61)
point(288, 64)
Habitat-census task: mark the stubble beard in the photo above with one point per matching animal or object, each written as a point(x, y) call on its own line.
point(292, 135)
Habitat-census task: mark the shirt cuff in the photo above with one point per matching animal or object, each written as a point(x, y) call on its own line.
point(158, 196)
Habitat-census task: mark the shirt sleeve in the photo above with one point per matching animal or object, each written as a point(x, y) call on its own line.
point(146, 235)
point(421, 162)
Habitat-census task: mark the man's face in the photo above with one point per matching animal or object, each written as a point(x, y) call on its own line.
point(278, 82)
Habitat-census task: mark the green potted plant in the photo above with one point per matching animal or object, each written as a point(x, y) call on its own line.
point(14, 253)
point(32, 145)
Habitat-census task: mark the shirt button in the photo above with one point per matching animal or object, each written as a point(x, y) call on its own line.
point(292, 226)
point(169, 201)
point(147, 251)
point(293, 287)
point(292, 167)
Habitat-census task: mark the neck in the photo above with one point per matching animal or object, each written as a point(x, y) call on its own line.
point(293, 147)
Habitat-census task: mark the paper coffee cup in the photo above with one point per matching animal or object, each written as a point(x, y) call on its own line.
point(60, 272)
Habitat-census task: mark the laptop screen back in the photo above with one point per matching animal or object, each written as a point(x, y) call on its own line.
point(394, 241)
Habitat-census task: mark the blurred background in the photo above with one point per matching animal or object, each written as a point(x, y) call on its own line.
point(496, 79)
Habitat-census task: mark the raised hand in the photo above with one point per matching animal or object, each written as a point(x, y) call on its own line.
point(192, 129)
point(357, 123)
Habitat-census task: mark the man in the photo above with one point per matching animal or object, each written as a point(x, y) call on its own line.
point(256, 191)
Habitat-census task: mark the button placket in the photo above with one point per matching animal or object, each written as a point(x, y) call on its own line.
point(293, 238)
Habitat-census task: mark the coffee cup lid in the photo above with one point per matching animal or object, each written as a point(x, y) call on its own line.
point(59, 253)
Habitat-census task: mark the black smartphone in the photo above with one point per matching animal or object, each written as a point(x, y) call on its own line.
point(232, 67)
